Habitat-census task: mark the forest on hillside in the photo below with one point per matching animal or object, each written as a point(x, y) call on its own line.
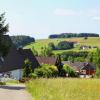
point(69, 35)
point(22, 40)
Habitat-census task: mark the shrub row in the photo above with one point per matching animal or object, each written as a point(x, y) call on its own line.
point(47, 71)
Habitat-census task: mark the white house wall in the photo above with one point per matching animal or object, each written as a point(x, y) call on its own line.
point(17, 74)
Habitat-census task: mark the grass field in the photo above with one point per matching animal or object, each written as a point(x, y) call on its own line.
point(94, 41)
point(64, 89)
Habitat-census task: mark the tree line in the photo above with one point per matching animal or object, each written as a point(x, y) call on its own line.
point(69, 35)
point(21, 40)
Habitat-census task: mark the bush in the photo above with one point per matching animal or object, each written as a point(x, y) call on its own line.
point(34, 51)
point(46, 51)
point(76, 59)
point(65, 45)
point(68, 70)
point(46, 71)
point(73, 54)
point(71, 59)
point(79, 59)
point(33, 75)
point(97, 75)
point(51, 45)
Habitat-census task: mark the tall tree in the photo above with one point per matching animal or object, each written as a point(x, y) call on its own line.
point(3, 30)
point(27, 68)
point(34, 51)
point(90, 57)
point(46, 51)
point(51, 45)
point(97, 58)
point(3, 27)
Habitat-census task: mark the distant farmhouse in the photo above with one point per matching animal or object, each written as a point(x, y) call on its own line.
point(84, 47)
point(83, 69)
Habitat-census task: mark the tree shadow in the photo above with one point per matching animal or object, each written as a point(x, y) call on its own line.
point(13, 87)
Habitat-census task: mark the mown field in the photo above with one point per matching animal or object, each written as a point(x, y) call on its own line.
point(94, 41)
point(64, 89)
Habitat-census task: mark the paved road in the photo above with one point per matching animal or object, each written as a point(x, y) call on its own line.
point(15, 92)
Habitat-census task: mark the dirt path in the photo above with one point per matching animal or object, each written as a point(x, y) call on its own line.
point(14, 92)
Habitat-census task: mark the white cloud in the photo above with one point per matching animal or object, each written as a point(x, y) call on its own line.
point(96, 18)
point(65, 12)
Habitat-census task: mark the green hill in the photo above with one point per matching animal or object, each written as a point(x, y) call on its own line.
point(91, 41)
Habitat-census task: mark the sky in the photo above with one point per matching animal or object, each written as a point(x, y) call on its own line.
point(40, 18)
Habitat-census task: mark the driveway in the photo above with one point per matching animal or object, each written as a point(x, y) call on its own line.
point(14, 92)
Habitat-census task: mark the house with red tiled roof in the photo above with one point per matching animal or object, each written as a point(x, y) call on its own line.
point(82, 68)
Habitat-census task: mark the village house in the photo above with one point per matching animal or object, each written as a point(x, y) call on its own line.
point(12, 64)
point(83, 69)
point(49, 60)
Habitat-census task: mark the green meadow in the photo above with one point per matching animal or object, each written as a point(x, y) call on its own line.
point(92, 41)
point(64, 89)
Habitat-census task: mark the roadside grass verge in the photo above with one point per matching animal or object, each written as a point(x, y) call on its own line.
point(12, 82)
point(64, 89)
